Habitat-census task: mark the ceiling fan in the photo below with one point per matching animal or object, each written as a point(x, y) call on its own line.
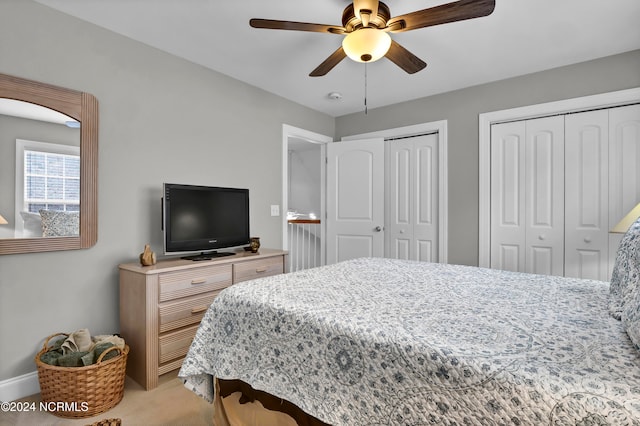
point(366, 24)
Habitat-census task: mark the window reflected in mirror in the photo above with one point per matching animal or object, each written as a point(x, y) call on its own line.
point(40, 148)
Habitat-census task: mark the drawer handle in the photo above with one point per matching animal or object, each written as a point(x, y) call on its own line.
point(261, 270)
point(201, 281)
point(199, 309)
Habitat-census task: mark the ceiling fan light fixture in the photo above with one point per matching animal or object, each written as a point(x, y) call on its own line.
point(366, 44)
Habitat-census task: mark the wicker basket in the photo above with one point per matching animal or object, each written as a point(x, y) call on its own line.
point(107, 422)
point(78, 392)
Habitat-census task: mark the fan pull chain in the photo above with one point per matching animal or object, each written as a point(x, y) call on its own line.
point(365, 89)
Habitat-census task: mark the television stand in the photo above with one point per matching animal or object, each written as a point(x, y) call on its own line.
point(208, 255)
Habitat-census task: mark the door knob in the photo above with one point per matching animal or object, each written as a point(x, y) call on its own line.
point(587, 239)
point(377, 228)
point(541, 237)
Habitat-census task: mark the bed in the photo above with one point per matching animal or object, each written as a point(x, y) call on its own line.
point(376, 341)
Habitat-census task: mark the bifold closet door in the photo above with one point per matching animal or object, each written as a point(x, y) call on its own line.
point(527, 196)
point(603, 184)
point(508, 186)
point(624, 168)
point(587, 195)
point(411, 216)
point(545, 196)
point(558, 185)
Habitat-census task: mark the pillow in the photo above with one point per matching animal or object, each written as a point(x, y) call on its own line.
point(626, 271)
point(631, 308)
point(60, 223)
point(32, 224)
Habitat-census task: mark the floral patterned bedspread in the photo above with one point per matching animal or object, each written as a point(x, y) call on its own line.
point(390, 342)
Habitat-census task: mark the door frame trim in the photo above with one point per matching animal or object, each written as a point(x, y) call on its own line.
point(439, 127)
point(289, 131)
point(485, 120)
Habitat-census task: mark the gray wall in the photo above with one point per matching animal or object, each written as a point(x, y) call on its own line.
point(161, 119)
point(305, 171)
point(461, 109)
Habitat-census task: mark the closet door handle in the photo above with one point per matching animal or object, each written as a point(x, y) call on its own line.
point(541, 237)
point(378, 228)
point(587, 239)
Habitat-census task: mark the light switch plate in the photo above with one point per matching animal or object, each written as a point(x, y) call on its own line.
point(275, 210)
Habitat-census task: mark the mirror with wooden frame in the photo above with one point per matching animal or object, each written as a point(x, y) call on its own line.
point(68, 221)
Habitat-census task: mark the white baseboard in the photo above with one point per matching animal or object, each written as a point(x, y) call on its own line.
point(19, 387)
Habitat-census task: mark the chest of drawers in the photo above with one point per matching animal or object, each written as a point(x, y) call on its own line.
point(161, 306)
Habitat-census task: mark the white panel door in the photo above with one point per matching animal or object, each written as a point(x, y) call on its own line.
point(587, 195)
point(411, 225)
point(545, 196)
point(399, 209)
point(508, 232)
point(527, 196)
point(581, 176)
point(355, 199)
point(624, 166)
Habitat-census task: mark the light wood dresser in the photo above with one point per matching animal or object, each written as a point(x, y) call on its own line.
point(161, 306)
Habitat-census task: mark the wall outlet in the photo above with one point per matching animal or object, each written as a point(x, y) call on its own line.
point(275, 210)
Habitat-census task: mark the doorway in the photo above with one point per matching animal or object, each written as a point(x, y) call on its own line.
point(303, 197)
point(295, 139)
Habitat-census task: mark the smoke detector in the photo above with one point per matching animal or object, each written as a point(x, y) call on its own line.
point(336, 96)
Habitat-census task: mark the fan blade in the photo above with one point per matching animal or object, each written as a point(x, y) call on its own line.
point(443, 14)
point(271, 24)
point(329, 63)
point(405, 59)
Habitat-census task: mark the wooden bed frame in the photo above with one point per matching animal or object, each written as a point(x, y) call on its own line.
point(266, 413)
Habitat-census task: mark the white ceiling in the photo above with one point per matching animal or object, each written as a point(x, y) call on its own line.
point(520, 37)
point(31, 111)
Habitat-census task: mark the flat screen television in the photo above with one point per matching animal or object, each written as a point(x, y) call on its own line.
point(203, 219)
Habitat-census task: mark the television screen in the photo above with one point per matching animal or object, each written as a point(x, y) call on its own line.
point(204, 218)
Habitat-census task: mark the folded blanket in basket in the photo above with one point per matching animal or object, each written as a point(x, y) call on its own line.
point(92, 356)
point(78, 359)
point(78, 341)
point(80, 349)
point(104, 338)
point(73, 359)
point(51, 357)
